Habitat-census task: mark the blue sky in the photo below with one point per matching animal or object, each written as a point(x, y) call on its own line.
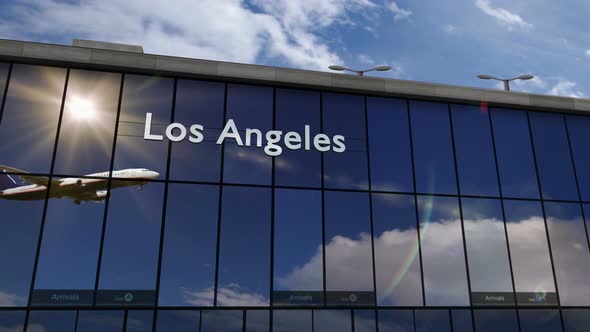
point(429, 40)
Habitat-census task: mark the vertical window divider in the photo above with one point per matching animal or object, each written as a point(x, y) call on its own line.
point(272, 214)
point(125, 317)
point(323, 207)
point(76, 322)
point(5, 95)
point(370, 197)
point(352, 310)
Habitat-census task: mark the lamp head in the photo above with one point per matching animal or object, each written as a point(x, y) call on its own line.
point(335, 67)
point(484, 77)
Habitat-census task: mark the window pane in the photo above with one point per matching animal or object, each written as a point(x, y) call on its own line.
point(332, 320)
point(349, 266)
point(443, 259)
point(553, 156)
point(475, 151)
point(178, 321)
point(515, 155)
point(222, 321)
point(198, 102)
point(294, 110)
point(257, 321)
point(395, 320)
point(389, 145)
point(51, 321)
point(432, 321)
point(462, 321)
point(365, 321)
point(100, 321)
point(539, 320)
point(397, 255)
point(29, 120)
point(487, 253)
point(298, 266)
point(12, 320)
point(250, 107)
point(433, 148)
point(131, 244)
point(139, 320)
point(570, 252)
point(291, 321)
point(345, 115)
point(19, 234)
point(579, 134)
point(3, 75)
point(190, 246)
point(244, 257)
point(495, 320)
point(141, 95)
point(71, 237)
point(575, 320)
point(529, 252)
point(88, 123)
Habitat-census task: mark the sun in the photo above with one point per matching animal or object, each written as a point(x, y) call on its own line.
point(82, 108)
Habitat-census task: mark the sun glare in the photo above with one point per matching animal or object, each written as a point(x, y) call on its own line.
point(82, 109)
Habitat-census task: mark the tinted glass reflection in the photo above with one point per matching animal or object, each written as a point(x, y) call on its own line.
point(579, 134)
point(139, 321)
point(292, 321)
point(432, 321)
point(495, 320)
point(397, 256)
point(443, 257)
point(395, 320)
point(539, 320)
point(100, 321)
point(141, 95)
point(12, 320)
point(575, 320)
point(190, 245)
point(475, 151)
point(30, 116)
point(222, 321)
point(4, 67)
point(553, 156)
point(198, 102)
point(244, 256)
point(88, 123)
point(433, 148)
point(570, 252)
point(389, 145)
point(294, 110)
point(51, 321)
point(514, 153)
point(462, 321)
point(365, 321)
point(250, 107)
point(178, 321)
point(345, 115)
point(332, 320)
point(257, 321)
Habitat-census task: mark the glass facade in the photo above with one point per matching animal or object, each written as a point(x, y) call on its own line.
point(123, 209)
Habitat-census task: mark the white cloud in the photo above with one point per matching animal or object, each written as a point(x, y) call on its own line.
point(365, 59)
point(587, 52)
point(226, 30)
point(449, 28)
point(503, 16)
point(228, 295)
point(398, 13)
point(566, 88)
point(11, 300)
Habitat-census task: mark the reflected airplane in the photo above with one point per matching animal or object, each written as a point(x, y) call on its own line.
point(93, 189)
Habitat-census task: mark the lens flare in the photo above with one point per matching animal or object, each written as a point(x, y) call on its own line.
point(82, 109)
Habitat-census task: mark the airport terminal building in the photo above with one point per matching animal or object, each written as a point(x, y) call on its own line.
point(151, 193)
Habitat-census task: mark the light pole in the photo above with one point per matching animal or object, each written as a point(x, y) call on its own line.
point(360, 72)
point(506, 81)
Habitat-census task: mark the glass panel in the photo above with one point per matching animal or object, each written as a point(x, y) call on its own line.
point(250, 107)
point(462, 320)
point(579, 134)
point(487, 253)
point(139, 321)
point(575, 320)
point(432, 321)
point(190, 246)
point(22, 210)
point(540, 320)
point(51, 321)
point(298, 256)
point(88, 123)
point(345, 115)
point(142, 95)
point(3, 75)
point(178, 321)
point(475, 152)
point(131, 243)
point(100, 321)
point(553, 156)
point(12, 320)
point(395, 321)
point(296, 109)
point(201, 103)
point(292, 321)
point(349, 264)
point(222, 321)
point(443, 258)
point(433, 148)
point(31, 113)
point(244, 257)
point(71, 237)
point(331, 320)
point(570, 252)
point(496, 320)
point(257, 321)
point(389, 145)
point(365, 321)
point(397, 256)
point(516, 164)
point(531, 263)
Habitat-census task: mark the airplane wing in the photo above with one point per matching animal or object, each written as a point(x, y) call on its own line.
point(26, 177)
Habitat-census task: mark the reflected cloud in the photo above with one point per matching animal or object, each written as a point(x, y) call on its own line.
point(20, 328)
point(11, 300)
point(229, 296)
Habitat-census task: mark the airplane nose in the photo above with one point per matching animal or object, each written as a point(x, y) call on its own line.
point(156, 174)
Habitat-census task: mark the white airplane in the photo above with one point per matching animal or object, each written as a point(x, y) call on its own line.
point(92, 189)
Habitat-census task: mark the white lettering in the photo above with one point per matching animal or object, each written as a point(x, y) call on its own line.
point(338, 144)
point(170, 132)
point(196, 134)
point(293, 137)
point(147, 129)
point(230, 131)
point(321, 142)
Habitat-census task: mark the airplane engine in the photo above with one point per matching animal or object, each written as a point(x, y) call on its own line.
point(72, 182)
point(102, 194)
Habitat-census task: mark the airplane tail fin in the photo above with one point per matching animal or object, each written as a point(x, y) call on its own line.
point(6, 180)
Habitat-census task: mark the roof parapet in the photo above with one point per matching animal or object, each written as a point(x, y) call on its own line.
point(107, 46)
